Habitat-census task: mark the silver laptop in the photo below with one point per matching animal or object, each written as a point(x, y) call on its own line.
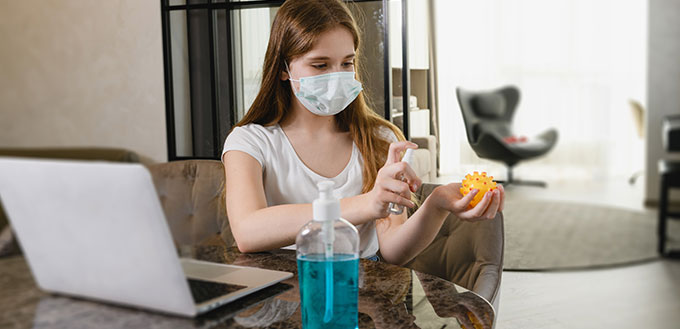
point(97, 230)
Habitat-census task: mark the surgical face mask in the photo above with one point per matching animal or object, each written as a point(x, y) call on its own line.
point(327, 94)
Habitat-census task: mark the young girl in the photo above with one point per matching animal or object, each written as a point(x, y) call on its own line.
point(309, 123)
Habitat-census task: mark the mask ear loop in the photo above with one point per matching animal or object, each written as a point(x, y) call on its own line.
point(290, 76)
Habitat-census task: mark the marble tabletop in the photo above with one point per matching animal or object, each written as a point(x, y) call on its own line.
point(389, 297)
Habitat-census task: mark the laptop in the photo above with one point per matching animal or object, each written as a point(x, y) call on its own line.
point(96, 230)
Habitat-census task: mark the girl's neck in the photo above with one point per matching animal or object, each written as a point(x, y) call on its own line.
point(301, 120)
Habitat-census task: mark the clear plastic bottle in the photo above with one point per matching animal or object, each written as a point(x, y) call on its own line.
point(328, 266)
point(394, 208)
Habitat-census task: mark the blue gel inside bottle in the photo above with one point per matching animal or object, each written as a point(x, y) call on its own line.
point(312, 276)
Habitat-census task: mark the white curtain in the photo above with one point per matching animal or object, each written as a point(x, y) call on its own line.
point(577, 63)
point(252, 27)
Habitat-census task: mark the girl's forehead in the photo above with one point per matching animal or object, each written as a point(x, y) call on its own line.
point(327, 56)
point(334, 43)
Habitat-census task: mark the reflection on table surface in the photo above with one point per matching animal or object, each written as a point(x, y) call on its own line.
point(389, 297)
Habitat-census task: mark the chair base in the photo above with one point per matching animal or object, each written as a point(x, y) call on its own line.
point(634, 177)
point(523, 182)
point(512, 181)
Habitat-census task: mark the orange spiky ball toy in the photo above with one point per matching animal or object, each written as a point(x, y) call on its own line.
point(481, 182)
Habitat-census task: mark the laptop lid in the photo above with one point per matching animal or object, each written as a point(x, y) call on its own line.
point(95, 230)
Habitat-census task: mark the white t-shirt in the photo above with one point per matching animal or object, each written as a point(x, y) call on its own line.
point(287, 180)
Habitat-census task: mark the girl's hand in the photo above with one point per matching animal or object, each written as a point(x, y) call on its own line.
point(389, 188)
point(449, 198)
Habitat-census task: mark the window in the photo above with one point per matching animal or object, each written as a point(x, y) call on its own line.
point(213, 51)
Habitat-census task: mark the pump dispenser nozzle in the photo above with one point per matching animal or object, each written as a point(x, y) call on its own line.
point(327, 206)
point(326, 209)
point(408, 157)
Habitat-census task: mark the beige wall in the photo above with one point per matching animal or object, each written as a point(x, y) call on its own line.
point(82, 73)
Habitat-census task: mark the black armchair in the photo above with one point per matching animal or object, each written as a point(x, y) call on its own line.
point(488, 123)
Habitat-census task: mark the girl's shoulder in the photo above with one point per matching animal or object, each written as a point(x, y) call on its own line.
point(255, 129)
point(256, 133)
point(254, 139)
point(385, 133)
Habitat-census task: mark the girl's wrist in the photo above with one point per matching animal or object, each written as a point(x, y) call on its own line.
point(364, 203)
point(356, 209)
point(435, 202)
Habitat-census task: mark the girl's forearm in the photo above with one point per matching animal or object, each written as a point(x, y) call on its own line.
point(403, 242)
point(271, 227)
point(355, 210)
point(277, 226)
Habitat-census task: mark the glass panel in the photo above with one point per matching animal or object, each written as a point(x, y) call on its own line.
point(184, 2)
point(279, 3)
point(243, 0)
point(222, 77)
point(181, 82)
point(418, 35)
point(394, 10)
point(418, 62)
point(250, 35)
point(202, 119)
point(371, 60)
point(192, 90)
point(419, 66)
point(395, 45)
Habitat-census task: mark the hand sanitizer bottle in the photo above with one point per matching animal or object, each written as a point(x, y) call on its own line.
point(397, 209)
point(328, 266)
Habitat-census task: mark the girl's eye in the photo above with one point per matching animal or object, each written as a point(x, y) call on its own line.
point(348, 64)
point(319, 66)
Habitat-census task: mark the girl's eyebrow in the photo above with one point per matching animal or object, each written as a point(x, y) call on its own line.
point(322, 58)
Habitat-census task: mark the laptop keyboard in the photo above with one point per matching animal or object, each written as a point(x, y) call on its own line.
point(206, 290)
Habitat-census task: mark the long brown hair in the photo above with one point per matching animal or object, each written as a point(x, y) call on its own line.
point(296, 27)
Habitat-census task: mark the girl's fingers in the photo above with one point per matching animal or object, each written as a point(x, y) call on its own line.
point(396, 186)
point(402, 169)
point(411, 177)
point(483, 204)
point(501, 206)
point(394, 154)
point(390, 197)
point(479, 209)
point(465, 201)
point(490, 212)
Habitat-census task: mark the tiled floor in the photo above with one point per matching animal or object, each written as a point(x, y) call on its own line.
point(638, 296)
